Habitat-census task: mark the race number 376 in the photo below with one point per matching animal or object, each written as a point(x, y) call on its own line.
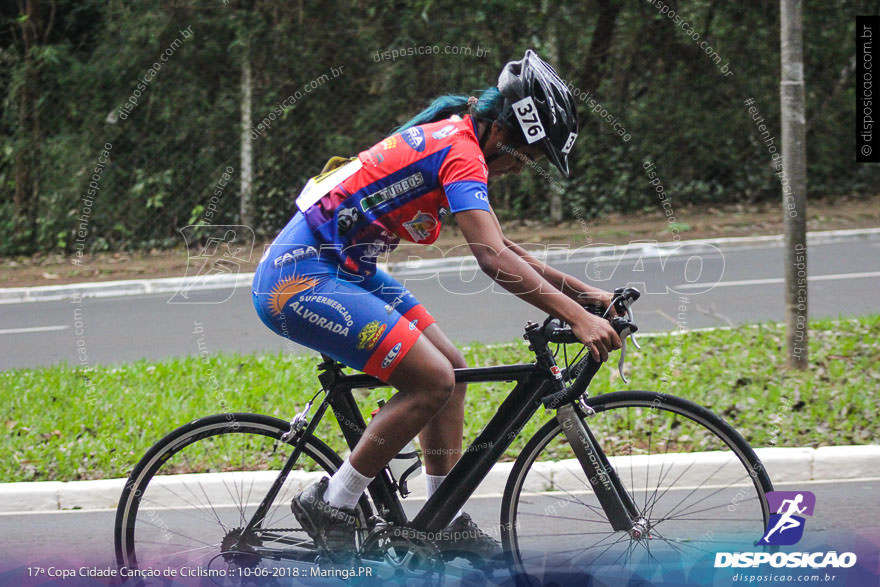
point(527, 115)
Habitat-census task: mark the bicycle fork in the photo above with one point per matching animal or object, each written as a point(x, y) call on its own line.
point(613, 497)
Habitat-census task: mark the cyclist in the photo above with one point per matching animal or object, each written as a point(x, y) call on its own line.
point(318, 283)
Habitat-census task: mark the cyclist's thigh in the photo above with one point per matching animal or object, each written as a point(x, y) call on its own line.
point(439, 339)
point(318, 309)
point(400, 298)
point(397, 298)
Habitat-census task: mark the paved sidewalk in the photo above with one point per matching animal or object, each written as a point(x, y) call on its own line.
point(785, 465)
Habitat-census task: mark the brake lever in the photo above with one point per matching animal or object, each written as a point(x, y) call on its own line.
point(625, 297)
point(622, 359)
point(626, 330)
point(632, 336)
point(622, 300)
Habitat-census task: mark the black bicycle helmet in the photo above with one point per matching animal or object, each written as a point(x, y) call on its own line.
point(539, 106)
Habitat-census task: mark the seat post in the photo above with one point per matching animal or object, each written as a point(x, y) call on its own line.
point(330, 370)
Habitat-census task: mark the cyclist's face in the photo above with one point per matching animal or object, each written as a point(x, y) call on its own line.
point(515, 160)
point(511, 157)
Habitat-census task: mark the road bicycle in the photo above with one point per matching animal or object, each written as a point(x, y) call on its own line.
point(620, 478)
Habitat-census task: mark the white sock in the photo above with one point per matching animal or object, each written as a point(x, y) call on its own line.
point(346, 487)
point(432, 482)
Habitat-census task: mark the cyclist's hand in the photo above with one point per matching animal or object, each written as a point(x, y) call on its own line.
point(598, 300)
point(597, 334)
point(605, 299)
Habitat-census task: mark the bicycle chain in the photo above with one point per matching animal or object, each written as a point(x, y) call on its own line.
point(408, 533)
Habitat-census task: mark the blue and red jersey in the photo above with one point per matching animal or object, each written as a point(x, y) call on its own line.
point(407, 185)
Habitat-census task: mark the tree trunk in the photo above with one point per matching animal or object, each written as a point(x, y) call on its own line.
point(247, 153)
point(794, 181)
point(556, 203)
point(27, 147)
point(600, 44)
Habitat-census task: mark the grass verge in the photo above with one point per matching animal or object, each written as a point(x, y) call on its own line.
point(63, 423)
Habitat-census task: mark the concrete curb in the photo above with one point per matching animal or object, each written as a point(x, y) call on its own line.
point(47, 293)
point(785, 465)
point(128, 287)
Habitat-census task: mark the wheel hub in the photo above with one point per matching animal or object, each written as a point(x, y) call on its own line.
point(640, 529)
point(238, 548)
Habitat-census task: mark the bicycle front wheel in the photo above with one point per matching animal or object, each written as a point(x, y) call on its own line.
point(187, 502)
point(696, 484)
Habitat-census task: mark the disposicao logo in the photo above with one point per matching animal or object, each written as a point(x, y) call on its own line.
point(786, 526)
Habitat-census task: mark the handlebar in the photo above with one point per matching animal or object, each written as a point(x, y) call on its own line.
point(555, 331)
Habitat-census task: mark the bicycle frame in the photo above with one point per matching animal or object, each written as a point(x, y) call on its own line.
point(534, 385)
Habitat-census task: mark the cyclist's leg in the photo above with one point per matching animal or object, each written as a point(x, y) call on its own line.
point(304, 295)
point(425, 382)
point(315, 304)
point(440, 439)
point(441, 436)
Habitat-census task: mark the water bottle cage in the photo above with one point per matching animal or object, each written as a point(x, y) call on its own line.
point(408, 458)
point(402, 482)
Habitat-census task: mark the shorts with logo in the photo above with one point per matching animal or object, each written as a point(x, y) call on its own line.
point(368, 322)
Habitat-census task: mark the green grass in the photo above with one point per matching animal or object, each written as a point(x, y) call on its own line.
point(61, 423)
point(677, 227)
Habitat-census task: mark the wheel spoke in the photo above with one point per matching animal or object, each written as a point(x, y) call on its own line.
point(703, 482)
point(543, 516)
point(681, 514)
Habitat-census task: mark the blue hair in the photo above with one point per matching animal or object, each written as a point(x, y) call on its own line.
point(488, 107)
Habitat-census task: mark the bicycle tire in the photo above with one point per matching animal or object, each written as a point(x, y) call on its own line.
point(737, 494)
point(166, 496)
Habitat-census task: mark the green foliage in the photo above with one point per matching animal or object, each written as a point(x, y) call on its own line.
point(652, 80)
point(65, 423)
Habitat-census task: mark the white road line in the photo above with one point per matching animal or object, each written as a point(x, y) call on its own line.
point(34, 329)
point(771, 280)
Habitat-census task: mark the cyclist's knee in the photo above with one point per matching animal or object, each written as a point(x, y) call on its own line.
point(426, 375)
point(438, 384)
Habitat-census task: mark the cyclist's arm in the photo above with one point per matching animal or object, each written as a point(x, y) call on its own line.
point(515, 275)
point(570, 286)
point(511, 271)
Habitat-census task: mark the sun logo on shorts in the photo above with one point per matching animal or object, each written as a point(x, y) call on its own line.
point(286, 289)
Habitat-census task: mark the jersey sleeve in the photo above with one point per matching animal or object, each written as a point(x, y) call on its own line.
point(464, 176)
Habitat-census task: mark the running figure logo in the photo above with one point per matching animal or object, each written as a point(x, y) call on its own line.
point(786, 526)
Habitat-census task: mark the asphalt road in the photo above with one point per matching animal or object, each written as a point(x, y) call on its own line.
point(846, 512)
point(700, 288)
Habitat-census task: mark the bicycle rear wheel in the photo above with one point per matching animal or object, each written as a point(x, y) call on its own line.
point(189, 498)
point(694, 480)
